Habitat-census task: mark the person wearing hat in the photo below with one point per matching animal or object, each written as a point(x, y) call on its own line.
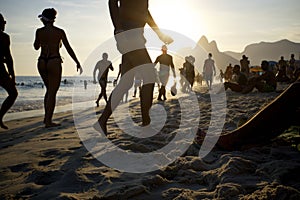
point(7, 74)
point(166, 62)
point(49, 39)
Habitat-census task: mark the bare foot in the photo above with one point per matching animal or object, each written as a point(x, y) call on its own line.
point(2, 125)
point(52, 125)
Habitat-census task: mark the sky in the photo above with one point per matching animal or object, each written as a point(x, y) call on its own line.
point(233, 24)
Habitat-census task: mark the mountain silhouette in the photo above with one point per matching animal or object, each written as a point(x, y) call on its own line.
point(200, 52)
point(271, 51)
point(221, 59)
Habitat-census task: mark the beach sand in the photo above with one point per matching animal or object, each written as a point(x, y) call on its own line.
point(53, 163)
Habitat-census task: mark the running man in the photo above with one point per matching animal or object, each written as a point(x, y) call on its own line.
point(102, 66)
point(166, 62)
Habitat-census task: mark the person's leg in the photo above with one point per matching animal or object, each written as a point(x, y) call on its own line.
point(102, 84)
point(42, 68)
point(11, 89)
point(140, 88)
point(54, 71)
point(135, 88)
point(268, 123)
point(163, 77)
point(100, 95)
point(162, 93)
point(260, 86)
point(103, 89)
point(227, 85)
point(142, 58)
point(164, 86)
point(129, 61)
point(251, 85)
point(192, 81)
point(233, 86)
point(126, 97)
point(207, 81)
point(211, 81)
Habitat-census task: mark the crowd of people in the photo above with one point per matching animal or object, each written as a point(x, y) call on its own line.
point(242, 78)
point(128, 15)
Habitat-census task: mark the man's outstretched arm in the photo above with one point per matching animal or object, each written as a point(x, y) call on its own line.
point(164, 38)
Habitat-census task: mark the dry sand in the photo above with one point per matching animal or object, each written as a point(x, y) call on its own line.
point(39, 163)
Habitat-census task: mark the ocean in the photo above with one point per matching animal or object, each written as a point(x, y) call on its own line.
point(31, 91)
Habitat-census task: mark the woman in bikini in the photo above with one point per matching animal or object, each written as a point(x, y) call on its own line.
point(50, 38)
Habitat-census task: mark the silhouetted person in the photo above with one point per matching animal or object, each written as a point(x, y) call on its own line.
point(189, 71)
point(128, 15)
point(85, 84)
point(102, 66)
point(281, 75)
point(50, 39)
point(240, 82)
point(199, 78)
point(166, 62)
point(265, 82)
point(209, 70)
point(7, 74)
point(291, 67)
point(137, 84)
point(183, 81)
point(222, 75)
point(245, 65)
point(268, 123)
point(228, 73)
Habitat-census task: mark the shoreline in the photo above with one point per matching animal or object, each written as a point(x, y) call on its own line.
point(65, 103)
point(40, 112)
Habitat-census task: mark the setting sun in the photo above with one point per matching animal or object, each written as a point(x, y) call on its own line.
point(177, 16)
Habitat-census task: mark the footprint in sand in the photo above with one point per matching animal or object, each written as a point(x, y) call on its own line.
point(45, 162)
point(44, 177)
point(20, 168)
